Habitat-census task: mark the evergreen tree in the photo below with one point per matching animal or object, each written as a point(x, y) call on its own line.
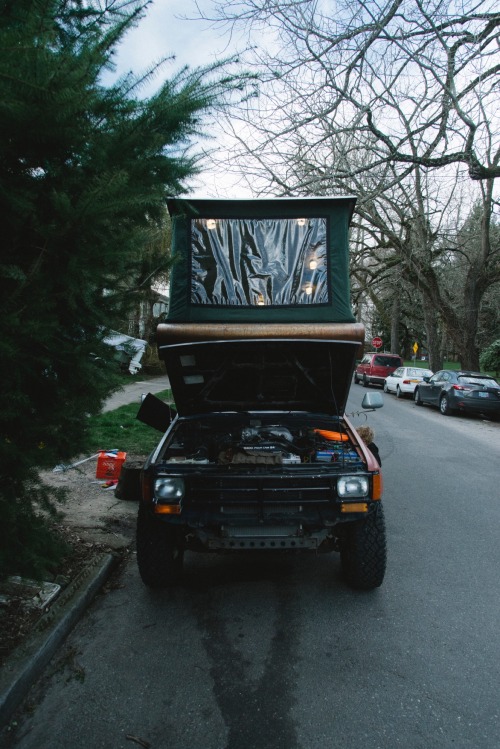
point(84, 173)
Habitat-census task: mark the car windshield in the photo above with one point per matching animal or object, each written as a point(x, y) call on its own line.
point(478, 381)
point(386, 361)
point(417, 372)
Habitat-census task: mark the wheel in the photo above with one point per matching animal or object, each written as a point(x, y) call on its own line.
point(356, 378)
point(365, 381)
point(444, 405)
point(417, 398)
point(399, 394)
point(363, 551)
point(159, 551)
point(386, 389)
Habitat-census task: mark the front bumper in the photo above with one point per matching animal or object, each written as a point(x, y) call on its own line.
point(242, 512)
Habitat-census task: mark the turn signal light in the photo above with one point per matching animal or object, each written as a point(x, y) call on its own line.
point(167, 509)
point(146, 487)
point(377, 486)
point(354, 507)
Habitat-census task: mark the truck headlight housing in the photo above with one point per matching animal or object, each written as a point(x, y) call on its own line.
point(352, 486)
point(169, 490)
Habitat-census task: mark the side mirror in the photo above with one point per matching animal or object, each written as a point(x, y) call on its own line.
point(426, 378)
point(372, 401)
point(155, 413)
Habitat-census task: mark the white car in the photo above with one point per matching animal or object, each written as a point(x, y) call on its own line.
point(404, 380)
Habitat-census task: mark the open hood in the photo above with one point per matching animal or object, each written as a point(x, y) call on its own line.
point(260, 375)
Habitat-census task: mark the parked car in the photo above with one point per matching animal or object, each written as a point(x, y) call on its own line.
point(453, 391)
point(404, 380)
point(374, 368)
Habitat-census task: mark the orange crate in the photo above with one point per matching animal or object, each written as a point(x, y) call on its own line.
point(109, 465)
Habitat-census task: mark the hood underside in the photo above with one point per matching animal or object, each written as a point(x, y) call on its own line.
point(260, 375)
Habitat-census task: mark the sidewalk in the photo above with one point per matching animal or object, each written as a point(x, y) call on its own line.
point(132, 392)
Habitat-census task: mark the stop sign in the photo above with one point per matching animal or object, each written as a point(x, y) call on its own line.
point(377, 342)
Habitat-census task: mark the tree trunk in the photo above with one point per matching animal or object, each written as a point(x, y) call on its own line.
point(433, 337)
point(395, 314)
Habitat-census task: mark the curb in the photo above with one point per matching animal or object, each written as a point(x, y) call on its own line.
point(26, 664)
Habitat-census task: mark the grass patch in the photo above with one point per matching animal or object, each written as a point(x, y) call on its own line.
point(121, 429)
point(425, 364)
point(455, 365)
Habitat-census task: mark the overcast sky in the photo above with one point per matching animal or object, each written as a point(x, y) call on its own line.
point(165, 32)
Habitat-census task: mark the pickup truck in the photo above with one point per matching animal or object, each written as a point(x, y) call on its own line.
point(260, 348)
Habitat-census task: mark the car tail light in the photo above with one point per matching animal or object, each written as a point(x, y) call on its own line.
point(460, 387)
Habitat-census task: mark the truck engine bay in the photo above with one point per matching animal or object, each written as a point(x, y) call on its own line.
point(235, 441)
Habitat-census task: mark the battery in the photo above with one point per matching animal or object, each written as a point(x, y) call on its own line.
point(327, 456)
point(351, 456)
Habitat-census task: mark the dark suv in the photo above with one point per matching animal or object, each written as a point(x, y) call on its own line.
point(374, 368)
point(260, 346)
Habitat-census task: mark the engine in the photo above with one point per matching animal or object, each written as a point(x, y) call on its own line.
point(261, 444)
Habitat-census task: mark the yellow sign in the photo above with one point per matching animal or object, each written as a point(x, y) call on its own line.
point(415, 347)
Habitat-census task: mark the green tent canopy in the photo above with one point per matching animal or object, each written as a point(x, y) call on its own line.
point(260, 261)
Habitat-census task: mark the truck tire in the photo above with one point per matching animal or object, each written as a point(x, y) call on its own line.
point(363, 551)
point(159, 551)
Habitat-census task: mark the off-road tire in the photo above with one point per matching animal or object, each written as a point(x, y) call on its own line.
point(444, 406)
point(363, 551)
point(159, 551)
point(416, 397)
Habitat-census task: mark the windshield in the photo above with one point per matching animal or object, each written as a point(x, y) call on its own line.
point(258, 262)
point(479, 381)
point(417, 372)
point(387, 361)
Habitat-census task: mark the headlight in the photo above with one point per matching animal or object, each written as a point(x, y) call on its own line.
point(352, 486)
point(169, 489)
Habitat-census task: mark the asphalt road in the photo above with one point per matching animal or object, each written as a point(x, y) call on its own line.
point(276, 653)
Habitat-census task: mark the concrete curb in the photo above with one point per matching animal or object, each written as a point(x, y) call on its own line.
point(27, 663)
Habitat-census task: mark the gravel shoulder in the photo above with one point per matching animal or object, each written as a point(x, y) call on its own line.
point(93, 522)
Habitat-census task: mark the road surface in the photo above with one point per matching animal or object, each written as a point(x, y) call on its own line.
point(277, 653)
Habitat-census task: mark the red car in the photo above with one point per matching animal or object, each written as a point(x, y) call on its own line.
point(374, 368)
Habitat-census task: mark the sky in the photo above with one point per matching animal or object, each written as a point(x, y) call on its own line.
point(163, 32)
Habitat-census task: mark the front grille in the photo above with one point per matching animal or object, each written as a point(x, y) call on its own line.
point(274, 531)
point(272, 494)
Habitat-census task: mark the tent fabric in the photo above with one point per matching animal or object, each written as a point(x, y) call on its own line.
point(261, 261)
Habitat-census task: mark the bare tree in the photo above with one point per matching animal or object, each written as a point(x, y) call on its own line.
point(421, 77)
point(375, 99)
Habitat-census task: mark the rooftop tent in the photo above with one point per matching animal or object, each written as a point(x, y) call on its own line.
point(260, 261)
